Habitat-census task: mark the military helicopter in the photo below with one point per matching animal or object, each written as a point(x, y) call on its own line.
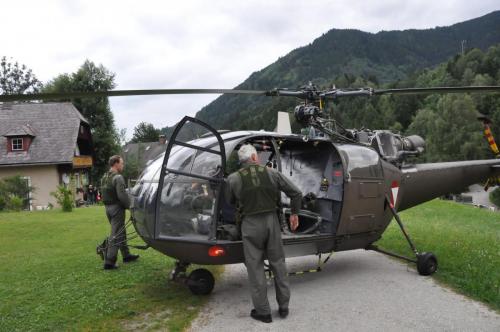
point(354, 182)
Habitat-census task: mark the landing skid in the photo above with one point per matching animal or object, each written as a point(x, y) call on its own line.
point(426, 262)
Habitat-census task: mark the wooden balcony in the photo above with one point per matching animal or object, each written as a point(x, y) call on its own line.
point(82, 161)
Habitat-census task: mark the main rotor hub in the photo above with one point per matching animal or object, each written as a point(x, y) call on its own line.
point(305, 113)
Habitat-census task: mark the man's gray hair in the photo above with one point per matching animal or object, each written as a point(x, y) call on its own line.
point(245, 152)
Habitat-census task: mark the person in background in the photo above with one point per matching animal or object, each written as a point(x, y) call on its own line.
point(116, 201)
point(91, 195)
point(85, 195)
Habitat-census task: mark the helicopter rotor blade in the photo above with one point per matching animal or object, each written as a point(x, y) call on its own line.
point(302, 94)
point(336, 93)
point(461, 89)
point(118, 93)
point(287, 93)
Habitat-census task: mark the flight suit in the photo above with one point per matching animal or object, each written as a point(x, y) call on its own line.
point(116, 201)
point(256, 192)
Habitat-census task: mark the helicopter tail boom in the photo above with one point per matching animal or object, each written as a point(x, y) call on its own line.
point(424, 182)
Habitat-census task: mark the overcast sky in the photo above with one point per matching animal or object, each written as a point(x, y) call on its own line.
point(193, 44)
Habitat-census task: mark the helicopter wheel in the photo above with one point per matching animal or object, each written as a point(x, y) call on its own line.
point(201, 282)
point(427, 263)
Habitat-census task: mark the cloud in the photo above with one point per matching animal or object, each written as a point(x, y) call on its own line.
point(193, 44)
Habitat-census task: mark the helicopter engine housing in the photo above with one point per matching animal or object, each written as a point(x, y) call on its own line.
point(392, 147)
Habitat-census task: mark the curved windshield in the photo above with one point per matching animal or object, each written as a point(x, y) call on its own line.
point(187, 208)
point(187, 198)
point(189, 195)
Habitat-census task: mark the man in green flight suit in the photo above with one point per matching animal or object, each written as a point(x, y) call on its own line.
point(256, 191)
point(116, 201)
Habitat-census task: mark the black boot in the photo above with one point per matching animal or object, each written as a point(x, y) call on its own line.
point(262, 318)
point(130, 258)
point(283, 312)
point(110, 266)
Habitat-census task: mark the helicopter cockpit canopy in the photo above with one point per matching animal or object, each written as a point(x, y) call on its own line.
point(190, 186)
point(190, 203)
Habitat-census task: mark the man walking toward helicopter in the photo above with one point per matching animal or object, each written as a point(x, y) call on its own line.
point(116, 201)
point(255, 190)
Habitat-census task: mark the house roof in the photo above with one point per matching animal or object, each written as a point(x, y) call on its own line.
point(54, 127)
point(143, 152)
point(24, 130)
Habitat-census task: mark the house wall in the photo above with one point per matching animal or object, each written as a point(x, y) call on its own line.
point(44, 179)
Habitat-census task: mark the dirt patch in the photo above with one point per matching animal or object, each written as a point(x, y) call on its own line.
point(150, 321)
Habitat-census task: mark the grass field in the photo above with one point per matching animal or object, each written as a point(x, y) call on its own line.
point(52, 280)
point(466, 241)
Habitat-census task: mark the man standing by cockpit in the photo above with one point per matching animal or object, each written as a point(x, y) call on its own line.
point(255, 190)
point(116, 201)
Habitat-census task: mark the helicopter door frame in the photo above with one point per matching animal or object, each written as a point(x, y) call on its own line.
point(277, 152)
point(218, 178)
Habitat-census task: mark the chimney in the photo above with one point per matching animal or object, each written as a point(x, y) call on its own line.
point(162, 139)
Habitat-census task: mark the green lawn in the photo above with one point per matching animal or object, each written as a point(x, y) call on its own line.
point(52, 280)
point(466, 241)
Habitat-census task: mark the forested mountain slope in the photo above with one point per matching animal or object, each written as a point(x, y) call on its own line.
point(345, 56)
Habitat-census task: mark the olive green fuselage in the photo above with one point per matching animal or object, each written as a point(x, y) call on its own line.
point(351, 185)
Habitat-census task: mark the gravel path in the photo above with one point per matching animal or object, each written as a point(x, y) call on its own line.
point(356, 291)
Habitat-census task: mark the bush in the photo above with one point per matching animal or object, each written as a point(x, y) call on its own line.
point(14, 192)
point(64, 198)
point(495, 197)
point(3, 202)
point(15, 203)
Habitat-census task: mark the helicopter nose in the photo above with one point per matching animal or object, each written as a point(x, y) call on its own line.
point(216, 251)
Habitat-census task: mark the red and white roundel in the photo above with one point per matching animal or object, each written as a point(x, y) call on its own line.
point(394, 193)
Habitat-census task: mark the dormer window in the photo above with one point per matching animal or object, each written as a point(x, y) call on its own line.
point(20, 138)
point(17, 144)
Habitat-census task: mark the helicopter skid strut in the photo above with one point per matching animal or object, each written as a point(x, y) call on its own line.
point(199, 281)
point(179, 272)
point(426, 262)
point(388, 253)
point(296, 273)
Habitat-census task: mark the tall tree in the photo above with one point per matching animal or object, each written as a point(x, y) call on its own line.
point(97, 111)
point(451, 130)
point(16, 78)
point(145, 132)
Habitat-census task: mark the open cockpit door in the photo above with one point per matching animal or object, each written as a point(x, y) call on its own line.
point(190, 182)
